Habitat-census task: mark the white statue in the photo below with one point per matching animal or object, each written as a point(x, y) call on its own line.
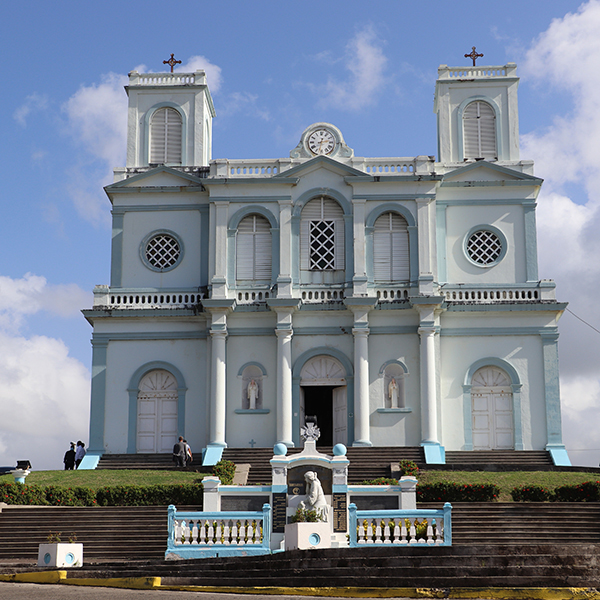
point(252, 392)
point(393, 393)
point(315, 498)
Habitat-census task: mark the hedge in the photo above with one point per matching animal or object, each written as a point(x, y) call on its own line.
point(531, 493)
point(457, 492)
point(120, 495)
point(588, 491)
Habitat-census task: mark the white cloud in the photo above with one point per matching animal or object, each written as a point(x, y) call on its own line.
point(365, 61)
point(213, 72)
point(245, 103)
point(44, 396)
point(567, 155)
point(33, 103)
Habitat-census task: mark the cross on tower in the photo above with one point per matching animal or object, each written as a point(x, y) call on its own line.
point(172, 62)
point(473, 55)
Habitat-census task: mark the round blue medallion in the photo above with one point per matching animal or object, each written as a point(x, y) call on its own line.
point(314, 539)
point(70, 558)
point(47, 558)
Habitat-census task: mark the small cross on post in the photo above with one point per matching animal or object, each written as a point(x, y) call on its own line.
point(473, 55)
point(172, 62)
point(252, 443)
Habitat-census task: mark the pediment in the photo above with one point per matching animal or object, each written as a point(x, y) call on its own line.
point(159, 177)
point(321, 162)
point(483, 171)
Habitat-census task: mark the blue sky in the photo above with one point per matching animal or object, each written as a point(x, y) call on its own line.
point(273, 68)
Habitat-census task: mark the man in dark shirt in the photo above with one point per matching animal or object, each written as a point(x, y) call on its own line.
point(179, 453)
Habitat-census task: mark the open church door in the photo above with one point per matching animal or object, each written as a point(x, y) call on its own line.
point(340, 416)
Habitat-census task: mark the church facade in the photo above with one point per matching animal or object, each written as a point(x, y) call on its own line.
point(393, 301)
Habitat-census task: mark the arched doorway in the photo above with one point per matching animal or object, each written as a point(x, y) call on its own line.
point(492, 410)
point(323, 398)
point(157, 412)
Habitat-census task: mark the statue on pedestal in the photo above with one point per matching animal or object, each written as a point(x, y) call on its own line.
point(252, 392)
point(393, 393)
point(315, 498)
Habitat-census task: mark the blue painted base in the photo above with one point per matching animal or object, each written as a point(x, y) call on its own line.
point(559, 456)
point(90, 460)
point(212, 552)
point(435, 454)
point(211, 455)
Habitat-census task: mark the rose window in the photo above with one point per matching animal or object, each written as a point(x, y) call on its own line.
point(162, 251)
point(484, 247)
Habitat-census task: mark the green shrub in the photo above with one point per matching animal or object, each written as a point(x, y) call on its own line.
point(589, 491)
point(409, 468)
point(457, 492)
point(531, 493)
point(225, 470)
point(306, 515)
point(150, 495)
point(380, 481)
point(18, 493)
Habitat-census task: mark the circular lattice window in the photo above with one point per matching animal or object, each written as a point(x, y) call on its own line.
point(162, 251)
point(484, 247)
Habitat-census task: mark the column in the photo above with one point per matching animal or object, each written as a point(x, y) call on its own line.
point(360, 308)
point(284, 386)
point(428, 387)
point(284, 308)
point(359, 279)
point(284, 279)
point(361, 387)
point(552, 393)
point(219, 278)
point(218, 387)
point(425, 246)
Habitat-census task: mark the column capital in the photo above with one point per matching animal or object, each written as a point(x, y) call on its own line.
point(284, 332)
point(360, 331)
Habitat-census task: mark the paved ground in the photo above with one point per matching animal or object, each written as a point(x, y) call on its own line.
point(33, 591)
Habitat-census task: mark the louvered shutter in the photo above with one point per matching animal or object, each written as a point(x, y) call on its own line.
point(390, 249)
point(165, 137)
point(253, 249)
point(479, 131)
point(262, 249)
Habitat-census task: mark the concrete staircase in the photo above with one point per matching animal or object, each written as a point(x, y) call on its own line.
point(498, 460)
point(365, 463)
point(381, 567)
point(107, 533)
point(140, 533)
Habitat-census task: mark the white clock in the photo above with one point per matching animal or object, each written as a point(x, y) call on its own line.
point(321, 141)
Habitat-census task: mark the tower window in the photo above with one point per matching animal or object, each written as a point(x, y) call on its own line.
point(165, 137)
point(161, 251)
point(479, 131)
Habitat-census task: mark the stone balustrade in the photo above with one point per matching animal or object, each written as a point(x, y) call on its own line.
point(420, 165)
point(391, 293)
point(204, 534)
point(400, 527)
point(105, 297)
point(477, 72)
point(167, 79)
point(542, 291)
point(252, 296)
point(311, 295)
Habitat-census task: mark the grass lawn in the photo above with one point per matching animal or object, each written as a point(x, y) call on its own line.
point(508, 480)
point(100, 478)
point(505, 480)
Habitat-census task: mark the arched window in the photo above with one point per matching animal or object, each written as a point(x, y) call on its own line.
point(479, 131)
point(322, 236)
point(253, 249)
point(165, 137)
point(390, 248)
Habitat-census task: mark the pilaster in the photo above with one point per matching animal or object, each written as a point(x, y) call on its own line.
point(284, 279)
point(426, 246)
point(359, 279)
point(219, 278)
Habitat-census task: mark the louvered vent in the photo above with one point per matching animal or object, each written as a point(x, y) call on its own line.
point(165, 137)
point(479, 127)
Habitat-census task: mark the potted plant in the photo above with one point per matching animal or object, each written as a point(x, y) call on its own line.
point(55, 553)
point(307, 531)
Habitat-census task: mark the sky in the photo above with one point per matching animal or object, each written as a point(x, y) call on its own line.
point(273, 69)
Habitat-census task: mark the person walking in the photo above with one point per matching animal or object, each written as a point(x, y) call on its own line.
point(79, 453)
point(179, 453)
point(188, 454)
point(69, 458)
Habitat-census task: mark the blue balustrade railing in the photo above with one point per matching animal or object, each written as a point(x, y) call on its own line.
point(400, 527)
point(207, 534)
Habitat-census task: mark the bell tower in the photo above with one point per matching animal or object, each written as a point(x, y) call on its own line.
point(477, 114)
point(169, 119)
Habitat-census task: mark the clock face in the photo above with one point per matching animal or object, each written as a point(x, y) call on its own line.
point(321, 141)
